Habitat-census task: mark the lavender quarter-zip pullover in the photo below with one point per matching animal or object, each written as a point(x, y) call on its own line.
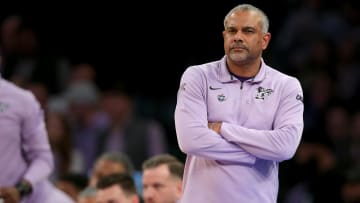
point(262, 124)
point(25, 151)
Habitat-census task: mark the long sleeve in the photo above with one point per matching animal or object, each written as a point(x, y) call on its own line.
point(191, 121)
point(281, 142)
point(35, 143)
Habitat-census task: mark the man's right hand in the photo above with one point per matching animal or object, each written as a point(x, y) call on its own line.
point(215, 126)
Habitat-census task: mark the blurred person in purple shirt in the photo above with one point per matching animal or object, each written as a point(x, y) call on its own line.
point(26, 160)
point(237, 118)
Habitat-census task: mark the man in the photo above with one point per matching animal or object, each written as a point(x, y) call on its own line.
point(137, 136)
point(108, 163)
point(114, 162)
point(72, 184)
point(162, 179)
point(26, 159)
point(88, 195)
point(116, 188)
point(237, 118)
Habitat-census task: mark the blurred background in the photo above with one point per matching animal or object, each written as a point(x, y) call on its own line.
point(108, 73)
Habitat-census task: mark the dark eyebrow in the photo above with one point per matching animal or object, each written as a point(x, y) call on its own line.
point(245, 27)
point(231, 28)
point(248, 27)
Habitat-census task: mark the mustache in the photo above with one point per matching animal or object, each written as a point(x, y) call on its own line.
point(238, 45)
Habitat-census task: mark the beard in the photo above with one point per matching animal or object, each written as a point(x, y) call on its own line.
point(238, 57)
point(243, 56)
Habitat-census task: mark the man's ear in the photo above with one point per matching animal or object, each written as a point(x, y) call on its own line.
point(266, 40)
point(179, 188)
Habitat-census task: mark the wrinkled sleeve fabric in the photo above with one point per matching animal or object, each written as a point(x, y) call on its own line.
point(281, 142)
point(35, 143)
point(191, 123)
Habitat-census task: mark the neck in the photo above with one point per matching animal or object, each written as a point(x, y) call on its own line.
point(245, 70)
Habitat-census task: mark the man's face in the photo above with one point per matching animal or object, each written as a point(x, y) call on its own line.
point(113, 194)
point(159, 186)
point(103, 168)
point(243, 37)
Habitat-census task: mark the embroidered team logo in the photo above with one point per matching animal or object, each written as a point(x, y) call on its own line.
point(300, 98)
point(182, 87)
point(221, 97)
point(262, 92)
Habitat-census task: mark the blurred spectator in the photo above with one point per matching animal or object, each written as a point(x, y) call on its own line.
point(114, 162)
point(316, 100)
point(355, 140)
point(347, 69)
point(88, 195)
point(109, 163)
point(9, 31)
point(40, 91)
point(72, 184)
point(138, 137)
point(67, 158)
point(82, 72)
point(351, 189)
point(118, 187)
point(87, 122)
point(26, 160)
point(25, 61)
point(162, 179)
point(315, 176)
point(337, 131)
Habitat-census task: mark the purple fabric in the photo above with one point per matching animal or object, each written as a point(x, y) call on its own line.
point(262, 123)
point(24, 147)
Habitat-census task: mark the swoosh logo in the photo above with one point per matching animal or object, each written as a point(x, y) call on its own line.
point(214, 88)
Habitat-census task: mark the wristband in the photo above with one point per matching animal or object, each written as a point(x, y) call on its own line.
point(24, 188)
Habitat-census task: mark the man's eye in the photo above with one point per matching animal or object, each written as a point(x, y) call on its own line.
point(158, 186)
point(248, 30)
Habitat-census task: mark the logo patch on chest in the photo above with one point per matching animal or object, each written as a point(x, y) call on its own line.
point(262, 93)
point(221, 97)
